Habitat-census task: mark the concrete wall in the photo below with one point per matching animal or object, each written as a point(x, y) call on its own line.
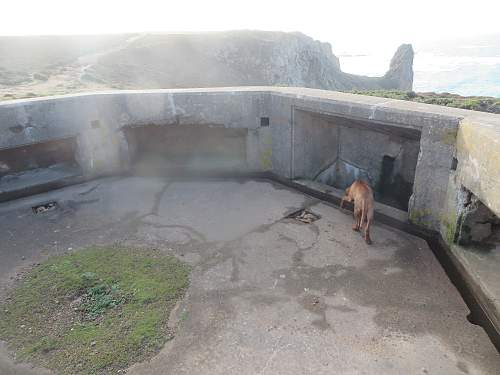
point(437, 144)
point(341, 150)
point(478, 171)
point(317, 138)
point(97, 121)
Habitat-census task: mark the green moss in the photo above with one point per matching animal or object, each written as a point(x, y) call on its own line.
point(266, 159)
point(475, 103)
point(450, 225)
point(94, 311)
point(266, 155)
point(449, 136)
point(420, 217)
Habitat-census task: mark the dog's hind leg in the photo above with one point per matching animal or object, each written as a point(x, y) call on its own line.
point(357, 218)
point(369, 220)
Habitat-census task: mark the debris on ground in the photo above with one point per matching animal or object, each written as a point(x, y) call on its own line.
point(41, 208)
point(304, 216)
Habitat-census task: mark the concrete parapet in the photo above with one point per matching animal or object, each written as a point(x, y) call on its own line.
point(445, 143)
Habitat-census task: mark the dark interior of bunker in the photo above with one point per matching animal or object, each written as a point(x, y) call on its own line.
point(477, 225)
point(342, 150)
point(38, 163)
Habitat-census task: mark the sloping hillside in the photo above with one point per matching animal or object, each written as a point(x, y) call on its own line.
point(35, 66)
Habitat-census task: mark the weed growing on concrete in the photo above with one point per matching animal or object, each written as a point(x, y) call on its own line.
point(94, 311)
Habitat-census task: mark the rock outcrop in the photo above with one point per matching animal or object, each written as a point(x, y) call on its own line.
point(400, 72)
point(241, 58)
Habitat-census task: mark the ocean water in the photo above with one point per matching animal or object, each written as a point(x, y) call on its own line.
point(477, 73)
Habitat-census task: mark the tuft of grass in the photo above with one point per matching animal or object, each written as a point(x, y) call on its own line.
point(475, 103)
point(94, 311)
point(100, 298)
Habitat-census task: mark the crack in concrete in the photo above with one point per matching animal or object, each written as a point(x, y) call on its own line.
point(158, 197)
point(89, 190)
point(211, 310)
point(227, 249)
point(200, 236)
point(276, 349)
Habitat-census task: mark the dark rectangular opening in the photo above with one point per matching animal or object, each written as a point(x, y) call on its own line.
point(179, 149)
point(38, 155)
point(477, 224)
point(264, 121)
point(336, 151)
point(31, 169)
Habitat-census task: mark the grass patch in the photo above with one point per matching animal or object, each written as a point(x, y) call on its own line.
point(94, 311)
point(475, 103)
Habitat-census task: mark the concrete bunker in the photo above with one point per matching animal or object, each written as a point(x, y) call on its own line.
point(336, 150)
point(303, 134)
point(186, 149)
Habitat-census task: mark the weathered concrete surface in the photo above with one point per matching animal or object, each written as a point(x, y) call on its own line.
point(98, 122)
point(26, 179)
point(480, 266)
point(478, 152)
point(268, 294)
point(478, 172)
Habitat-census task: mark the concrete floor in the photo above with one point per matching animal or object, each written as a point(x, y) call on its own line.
point(269, 295)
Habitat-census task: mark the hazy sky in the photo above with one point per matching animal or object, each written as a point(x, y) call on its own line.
point(348, 25)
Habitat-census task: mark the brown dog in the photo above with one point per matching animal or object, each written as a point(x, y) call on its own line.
point(362, 195)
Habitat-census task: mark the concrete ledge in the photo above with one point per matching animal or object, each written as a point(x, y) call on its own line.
point(38, 181)
point(480, 270)
point(337, 194)
point(383, 213)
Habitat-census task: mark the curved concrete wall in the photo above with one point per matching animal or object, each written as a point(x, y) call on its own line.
point(97, 120)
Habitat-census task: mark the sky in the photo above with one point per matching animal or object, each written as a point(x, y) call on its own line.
point(351, 26)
